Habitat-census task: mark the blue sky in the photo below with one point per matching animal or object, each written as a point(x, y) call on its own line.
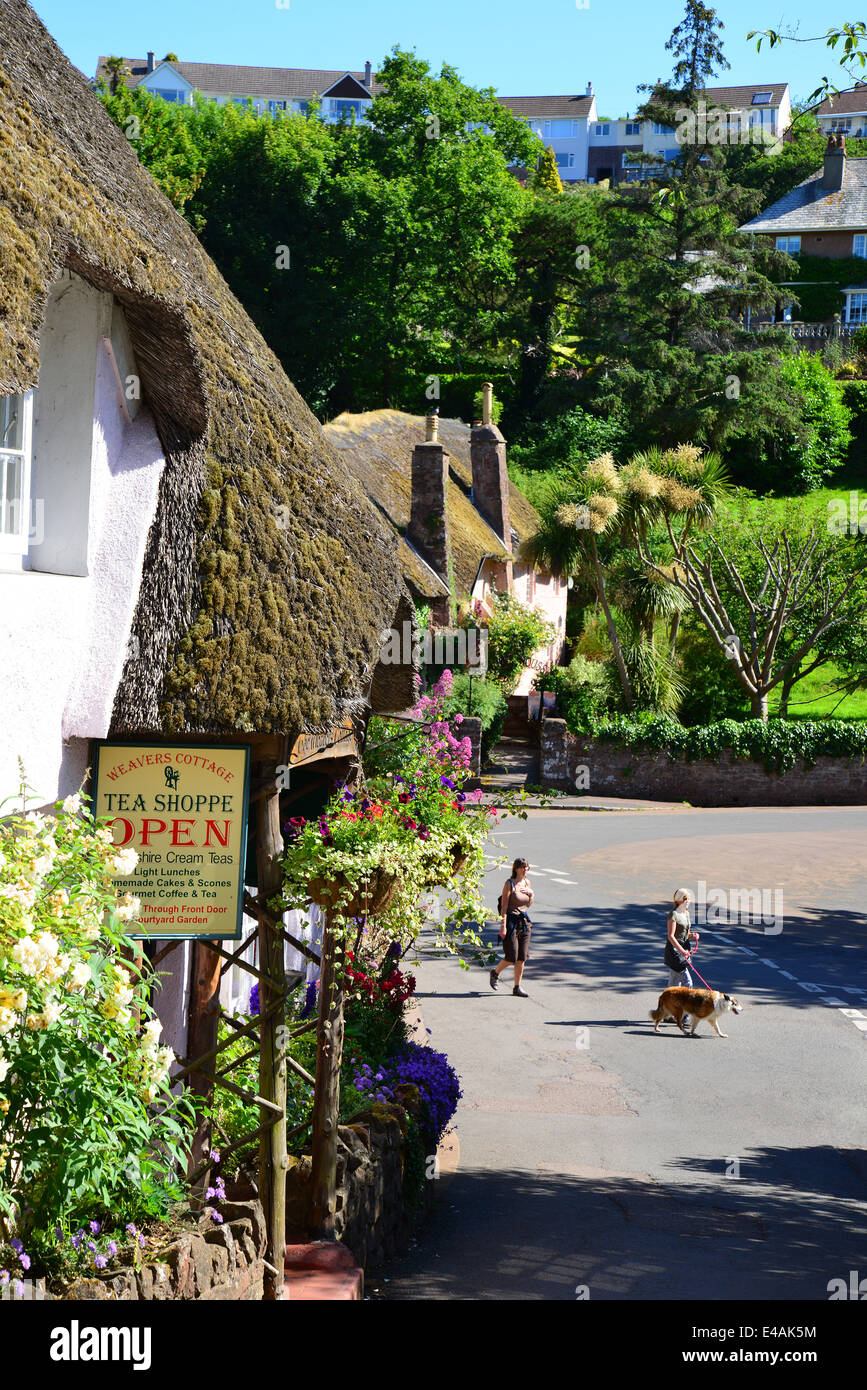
point(520, 47)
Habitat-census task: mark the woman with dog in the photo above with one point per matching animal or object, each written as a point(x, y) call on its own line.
point(677, 944)
point(515, 926)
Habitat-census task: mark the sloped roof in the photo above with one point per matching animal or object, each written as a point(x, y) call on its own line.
point(812, 208)
point(268, 576)
point(232, 79)
point(549, 108)
point(378, 446)
point(743, 96)
point(845, 102)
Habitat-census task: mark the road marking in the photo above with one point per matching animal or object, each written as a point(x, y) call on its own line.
point(771, 963)
point(852, 1013)
point(788, 975)
point(837, 1002)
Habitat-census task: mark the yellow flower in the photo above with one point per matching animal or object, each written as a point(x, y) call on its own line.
point(13, 999)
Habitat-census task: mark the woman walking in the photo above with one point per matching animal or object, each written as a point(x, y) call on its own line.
point(515, 926)
point(677, 943)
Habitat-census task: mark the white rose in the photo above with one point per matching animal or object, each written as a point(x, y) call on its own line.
point(79, 977)
point(72, 804)
point(8, 1020)
point(165, 1057)
point(4, 1068)
point(124, 862)
point(26, 954)
point(128, 907)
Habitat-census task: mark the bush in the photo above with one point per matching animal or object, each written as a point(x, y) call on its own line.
point(483, 700)
point(565, 441)
point(582, 689)
point(515, 632)
point(797, 455)
point(712, 692)
point(779, 743)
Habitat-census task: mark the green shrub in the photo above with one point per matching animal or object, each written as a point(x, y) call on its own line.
point(583, 691)
point(779, 743)
point(515, 632)
point(483, 700)
point(797, 454)
point(711, 690)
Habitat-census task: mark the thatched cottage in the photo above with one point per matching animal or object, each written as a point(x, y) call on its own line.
point(462, 522)
point(181, 550)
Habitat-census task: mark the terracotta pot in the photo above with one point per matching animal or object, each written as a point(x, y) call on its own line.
point(374, 895)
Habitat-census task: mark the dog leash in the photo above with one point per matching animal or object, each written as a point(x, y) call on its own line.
point(695, 968)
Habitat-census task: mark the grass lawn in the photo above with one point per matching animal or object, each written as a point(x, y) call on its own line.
point(811, 698)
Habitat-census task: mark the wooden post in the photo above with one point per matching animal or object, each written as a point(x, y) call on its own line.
point(326, 1092)
point(268, 753)
point(203, 1019)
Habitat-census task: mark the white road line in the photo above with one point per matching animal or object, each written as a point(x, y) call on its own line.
point(788, 975)
point(771, 963)
point(852, 1013)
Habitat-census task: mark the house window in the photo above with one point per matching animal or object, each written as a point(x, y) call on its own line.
point(603, 128)
point(275, 106)
point(662, 129)
point(761, 98)
point(633, 128)
point(856, 307)
point(790, 244)
point(842, 123)
point(859, 244)
point(167, 95)
point(15, 430)
point(565, 161)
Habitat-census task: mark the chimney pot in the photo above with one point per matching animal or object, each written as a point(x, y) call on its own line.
point(431, 428)
point(487, 402)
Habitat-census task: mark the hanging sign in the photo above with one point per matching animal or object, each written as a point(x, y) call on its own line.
point(183, 809)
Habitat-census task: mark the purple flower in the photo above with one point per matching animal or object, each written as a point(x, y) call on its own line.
point(214, 1155)
point(112, 1248)
point(24, 1260)
point(211, 1192)
point(16, 1246)
point(254, 998)
point(4, 1276)
point(130, 1229)
point(141, 1241)
point(91, 1245)
point(100, 1261)
point(309, 1000)
point(76, 1239)
point(19, 1289)
point(95, 1227)
point(447, 782)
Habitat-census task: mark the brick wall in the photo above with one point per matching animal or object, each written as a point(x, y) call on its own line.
point(618, 771)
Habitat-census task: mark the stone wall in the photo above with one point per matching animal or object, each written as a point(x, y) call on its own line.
point(618, 771)
point(210, 1262)
point(374, 1218)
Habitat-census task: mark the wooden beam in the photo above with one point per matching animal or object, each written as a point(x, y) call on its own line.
point(326, 1094)
point(202, 1023)
point(268, 754)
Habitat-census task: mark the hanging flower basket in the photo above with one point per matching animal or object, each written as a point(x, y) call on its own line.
point(370, 896)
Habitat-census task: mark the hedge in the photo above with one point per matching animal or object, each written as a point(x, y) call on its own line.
point(779, 743)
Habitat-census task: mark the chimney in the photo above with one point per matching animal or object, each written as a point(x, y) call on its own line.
point(589, 91)
point(151, 64)
point(367, 72)
point(428, 530)
point(835, 163)
point(491, 478)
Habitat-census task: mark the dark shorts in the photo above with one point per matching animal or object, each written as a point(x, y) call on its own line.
point(516, 944)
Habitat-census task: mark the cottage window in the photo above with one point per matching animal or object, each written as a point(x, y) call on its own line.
point(15, 435)
point(565, 160)
point(859, 244)
point(842, 123)
point(603, 128)
point(790, 244)
point(633, 128)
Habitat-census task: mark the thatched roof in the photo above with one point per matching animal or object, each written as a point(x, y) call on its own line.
point(268, 576)
point(378, 446)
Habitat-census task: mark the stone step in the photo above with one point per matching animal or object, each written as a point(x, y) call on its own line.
point(322, 1271)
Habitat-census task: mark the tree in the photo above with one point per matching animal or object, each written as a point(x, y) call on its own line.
point(118, 71)
point(848, 44)
point(748, 615)
point(162, 137)
point(547, 176)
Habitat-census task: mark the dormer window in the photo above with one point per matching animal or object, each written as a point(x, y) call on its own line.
point(761, 98)
point(16, 414)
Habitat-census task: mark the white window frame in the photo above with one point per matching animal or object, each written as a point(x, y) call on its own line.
point(564, 159)
point(17, 542)
point(861, 297)
point(762, 98)
point(862, 249)
point(786, 247)
point(632, 128)
point(843, 123)
point(602, 128)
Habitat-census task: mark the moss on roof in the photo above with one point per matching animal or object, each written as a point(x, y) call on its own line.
point(268, 575)
point(378, 445)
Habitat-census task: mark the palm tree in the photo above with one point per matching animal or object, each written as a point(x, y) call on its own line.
point(118, 71)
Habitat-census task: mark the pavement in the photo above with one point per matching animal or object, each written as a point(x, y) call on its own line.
point(599, 1159)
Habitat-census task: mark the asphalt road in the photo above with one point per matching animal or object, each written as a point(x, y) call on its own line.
point(596, 1158)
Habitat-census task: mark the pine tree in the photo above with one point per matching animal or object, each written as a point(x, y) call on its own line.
point(547, 175)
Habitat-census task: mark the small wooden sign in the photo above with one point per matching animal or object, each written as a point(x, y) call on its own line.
point(183, 809)
point(337, 742)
